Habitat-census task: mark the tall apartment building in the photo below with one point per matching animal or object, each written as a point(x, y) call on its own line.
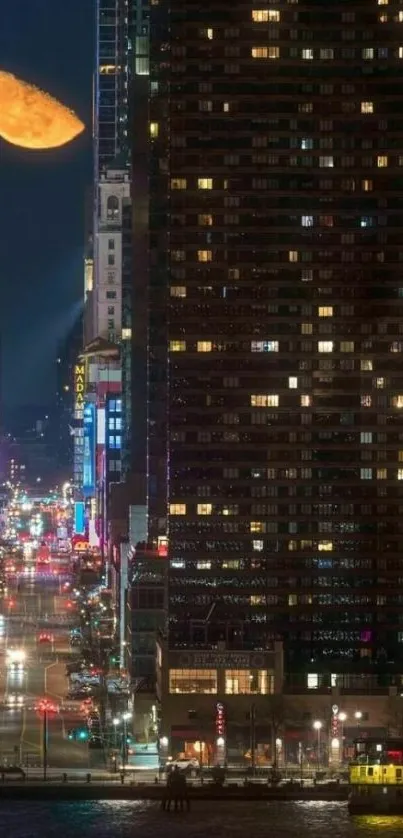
point(276, 329)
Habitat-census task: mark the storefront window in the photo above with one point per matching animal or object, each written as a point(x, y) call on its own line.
point(192, 681)
point(248, 681)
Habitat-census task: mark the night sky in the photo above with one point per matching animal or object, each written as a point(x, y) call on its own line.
point(48, 43)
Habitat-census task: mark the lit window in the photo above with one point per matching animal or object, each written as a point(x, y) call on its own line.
point(292, 382)
point(264, 401)
point(154, 128)
point(203, 681)
point(368, 53)
point(307, 220)
point(325, 346)
point(383, 2)
point(177, 291)
point(400, 52)
point(293, 255)
point(325, 311)
point(366, 366)
point(204, 255)
point(400, 474)
point(400, 17)
point(257, 545)
point(312, 681)
point(397, 401)
point(306, 401)
point(257, 526)
point(325, 546)
point(260, 52)
point(274, 16)
point(204, 508)
point(382, 161)
point(205, 219)
point(307, 275)
point(205, 183)
point(205, 105)
point(367, 107)
point(306, 329)
point(381, 474)
point(365, 437)
point(204, 346)
point(264, 346)
point(326, 162)
point(260, 15)
point(307, 54)
point(210, 34)
point(347, 346)
point(177, 345)
point(178, 183)
point(177, 508)
point(380, 383)
point(366, 473)
point(367, 185)
point(265, 52)
point(249, 681)
point(366, 400)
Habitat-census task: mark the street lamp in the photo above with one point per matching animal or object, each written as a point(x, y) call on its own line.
point(116, 723)
point(45, 707)
point(358, 716)
point(342, 718)
point(317, 725)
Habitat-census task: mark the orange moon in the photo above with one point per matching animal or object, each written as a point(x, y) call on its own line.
point(31, 118)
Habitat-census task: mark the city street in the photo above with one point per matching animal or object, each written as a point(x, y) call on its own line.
point(36, 605)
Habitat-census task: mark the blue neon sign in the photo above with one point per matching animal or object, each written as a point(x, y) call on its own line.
point(79, 518)
point(89, 422)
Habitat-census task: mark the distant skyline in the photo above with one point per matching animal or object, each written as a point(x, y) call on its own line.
point(42, 224)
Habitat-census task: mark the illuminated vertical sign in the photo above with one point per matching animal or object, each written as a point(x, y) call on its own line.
point(79, 518)
point(89, 431)
point(79, 385)
point(220, 719)
point(79, 388)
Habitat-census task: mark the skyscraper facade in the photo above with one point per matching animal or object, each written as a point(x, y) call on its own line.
point(276, 330)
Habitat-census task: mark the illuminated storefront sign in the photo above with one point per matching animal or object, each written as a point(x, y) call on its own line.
point(220, 719)
point(79, 384)
point(79, 387)
point(89, 423)
point(79, 544)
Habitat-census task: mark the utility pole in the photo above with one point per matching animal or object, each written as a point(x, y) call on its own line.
point(45, 742)
point(253, 737)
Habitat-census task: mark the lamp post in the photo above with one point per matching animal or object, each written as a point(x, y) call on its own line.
point(44, 708)
point(358, 717)
point(342, 718)
point(317, 725)
point(125, 717)
point(116, 723)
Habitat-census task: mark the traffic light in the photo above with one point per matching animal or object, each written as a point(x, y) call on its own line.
point(77, 733)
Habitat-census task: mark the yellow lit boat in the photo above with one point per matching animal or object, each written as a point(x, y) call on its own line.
point(376, 777)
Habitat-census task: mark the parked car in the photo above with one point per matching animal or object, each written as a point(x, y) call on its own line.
point(187, 764)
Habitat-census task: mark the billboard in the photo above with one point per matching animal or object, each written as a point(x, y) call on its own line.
point(79, 518)
point(89, 427)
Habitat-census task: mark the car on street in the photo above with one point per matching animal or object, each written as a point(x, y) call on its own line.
point(186, 764)
point(45, 637)
point(14, 700)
